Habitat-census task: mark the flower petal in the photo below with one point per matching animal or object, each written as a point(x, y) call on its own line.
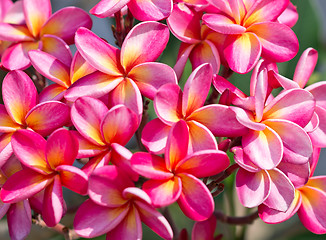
point(86, 148)
point(73, 178)
point(318, 136)
point(318, 90)
point(106, 8)
point(6, 122)
point(297, 173)
point(222, 24)
point(14, 33)
point(79, 68)
point(150, 10)
point(53, 92)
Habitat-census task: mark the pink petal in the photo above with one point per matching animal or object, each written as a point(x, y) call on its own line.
point(149, 77)
point(184, 24)
point(154, 136)
point(144, 43)
point(318, 90)
point(154, 220)
point(53, 203)
point(50, 67)
point(150, 166)
point(136, 194)
point(210, 114)
point(289, 16)
point(6, 122)
point(246, 118)
point(45, 117)
point(163, 192)
point(167, 103)
point(242, 52)
point(195, 201)
point(222, 24)
point(243, 160)
point(305, 66)
point(318, 136)
point(252, 188)
point(297, 147)
point(14, 33)
point(73, 178)
point(150, 10)
point(204, 163)
point(97, 52)
point(95, 85)
point(29, 147)
point(196, 89)
point(87, 114)
point(106, 8)
point(119, 125)
point(24, 184)
point(86, 148)
point(53, 92)
point(204, 229)
point(65, 22)
point(16, 57)
point(295, 105)
point(79, 68)
point(15, 13)
point(183, 55)
point(36, 14)
point(297, 173)
point(101, 221)
point(279, 43)
point(19, 219)
point(97, 161)
point(264, 148)
point(281, 191)
point(19, 95)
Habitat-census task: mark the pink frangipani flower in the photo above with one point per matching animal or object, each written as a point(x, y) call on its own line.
point(48, 166)
point(117, 208)
point(252, 31)
point(175, 177)
point(42, 31)
point(143, 10)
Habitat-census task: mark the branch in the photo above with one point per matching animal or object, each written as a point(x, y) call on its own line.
point(236, 220)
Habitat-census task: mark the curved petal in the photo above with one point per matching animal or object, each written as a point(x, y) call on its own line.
point(79, 68)
point(14, 33)
point(318, 90)
point(19, 95)
point(65, 22)
point(87, 114)
point(86, 148)
point(222, 24)
point(144, 43)
point(264, 148)
point(279, 43)
point(246, 118)
point(48, 116)
point(154, 136)
point(150, 10)
point(241, 158)
point(289, 16)
point(119, 125)
point(136, 194)
point(97, 52)
point(149, 77)
point(97, 161)
point(15, 13)
point(53, 92)
point(5, 148)
point(252, 188)
point(242, 52)
point(184, 52)
point(204, 229)
point(318, 136)
point(195, 201)
point(163, 192)
point(297, 173)
point(106, 8)
point(6, 122)
point(73, 178)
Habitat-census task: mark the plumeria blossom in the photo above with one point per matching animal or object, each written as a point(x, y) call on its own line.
point(21, 110)
point(306, 64)
point(175, 177)
point(47, 166)
point(252, 31)
point(310, 195)
point(143, 10)
point(42, 31)
point(117, 208)
point(124, 72)
point(19, 215)
point(289, 16)
point(103, 133)
point(172, 105)
point(198, 41)
point(64, 74)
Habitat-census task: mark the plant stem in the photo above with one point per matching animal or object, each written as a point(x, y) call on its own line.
point(167, 215)
point(236, 220)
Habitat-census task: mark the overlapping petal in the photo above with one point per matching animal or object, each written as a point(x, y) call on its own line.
point(73, 178)
point(149, 10)
point(200, 138)
point(222, 24)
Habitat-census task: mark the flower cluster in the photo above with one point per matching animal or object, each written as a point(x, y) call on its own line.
point(201, 133)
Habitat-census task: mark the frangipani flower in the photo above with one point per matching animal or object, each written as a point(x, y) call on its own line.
point(252, 31)
point(22, 111)
point(48, 166)
point(117, 208)
point(64, 74)
point(43, 31)
point(143, 10)
point(175, 178)
point(123, 73)
point(103, 133)
point(172, 105)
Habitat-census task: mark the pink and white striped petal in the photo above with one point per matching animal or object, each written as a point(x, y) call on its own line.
point(252, 188)
point(19, 95)
point(144, 43)
point(36, 12)
point(97, 52)
point(195, 201)
point(87, 114)
point(149, 77)
point(150, 10)
point(45, 117)
point(222, 24)
point(14, 33)
point(163, 192)
point(106, 8)
point(73, 178)
point(65, 22)
point(53, 203)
